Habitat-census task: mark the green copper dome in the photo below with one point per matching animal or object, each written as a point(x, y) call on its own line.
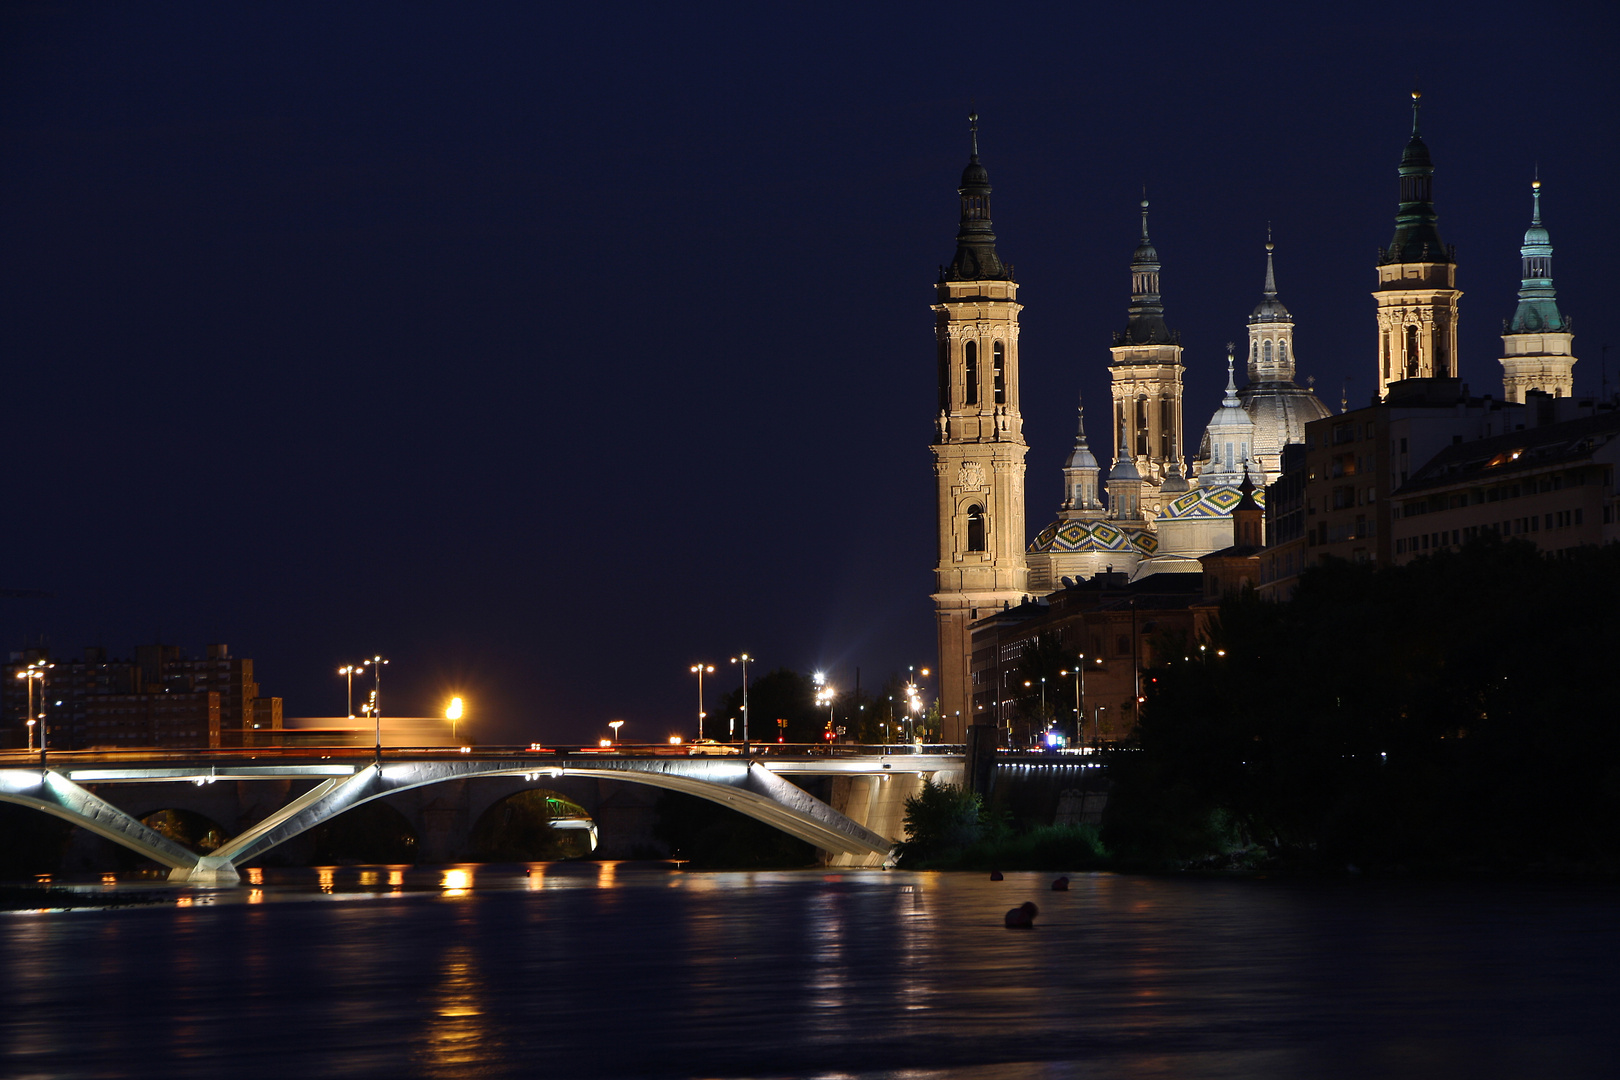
point(1538, 301)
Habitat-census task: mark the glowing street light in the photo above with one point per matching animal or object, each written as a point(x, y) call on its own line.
point(824, 696)
point(452, 713)
point(700, 670)
point(743, 660)
point(376, 664)
point(615, 725)
point(351, 670)
point(33, 673)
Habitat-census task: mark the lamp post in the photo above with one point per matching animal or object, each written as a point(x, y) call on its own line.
point(35, 672)
point(351, 670)
point(615, 725)
point(700, 670)
point(743, 660)
point(376, 664)
point(1079, 674)
point(824, 696)
point(453, 713)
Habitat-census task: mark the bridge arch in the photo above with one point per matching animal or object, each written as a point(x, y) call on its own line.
point(534, 823)
point(743, 785)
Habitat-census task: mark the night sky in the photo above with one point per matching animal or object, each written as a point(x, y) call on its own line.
point(547, 349)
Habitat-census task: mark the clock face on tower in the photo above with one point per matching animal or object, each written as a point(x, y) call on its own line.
point(971, 475)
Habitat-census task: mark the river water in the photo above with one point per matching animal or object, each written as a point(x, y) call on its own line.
point(640, 970)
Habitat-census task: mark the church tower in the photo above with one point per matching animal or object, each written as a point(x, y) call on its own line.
point(1417, 280)
point(979, 444)
point(1080, 472)
point(1536, 342)
point(1146, 371)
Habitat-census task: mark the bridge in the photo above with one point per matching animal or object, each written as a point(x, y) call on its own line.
point(861, 831)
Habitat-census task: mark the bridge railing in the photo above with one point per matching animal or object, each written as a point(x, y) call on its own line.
point(226, 756)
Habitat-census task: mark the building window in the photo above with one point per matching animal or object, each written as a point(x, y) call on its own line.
point(1266, 352)
point(999, 370)
point(1167, 431)
point(1142, 426)
point(975, 537)
point(970, 359)
point(944, 376)
point(1282, 352)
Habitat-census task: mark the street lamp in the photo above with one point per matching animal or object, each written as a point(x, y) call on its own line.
point(1079, 674)
point(33, 673)
point(913, 707)
point(453, 713)
point(376, 664)
point(615, 725)
point(351, 670)
point(743, 660)
point(824, 696)
point(700, 670)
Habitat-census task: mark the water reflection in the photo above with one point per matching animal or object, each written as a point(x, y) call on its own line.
point(573, 970)
point(456, 1034)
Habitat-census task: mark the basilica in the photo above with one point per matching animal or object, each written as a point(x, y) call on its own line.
point(1153, 508)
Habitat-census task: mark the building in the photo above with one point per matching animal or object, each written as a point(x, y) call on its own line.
point(161, 695)
point(1537, 342)
point(1278, 482)
point(1146, 372)
point(1552, 485)
point(1417, 280)
point(1116, 628)
point(979, 447)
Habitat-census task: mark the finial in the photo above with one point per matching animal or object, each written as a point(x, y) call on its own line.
point(1080, 435)
point(1231, 380)
point(1268, 236)
point(1417, 97)
point(1144, 211)
point(1535, 197)
point(973, 125)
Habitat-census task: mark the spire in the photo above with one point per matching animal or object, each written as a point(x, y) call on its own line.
point(976, 258)
point(1124, 467)
point(1538, 301)
point(1270, 289)
point(1231, 397)
point(1146, 325)
point(1417, 234)
point(1081, 457)
point(1270, 309)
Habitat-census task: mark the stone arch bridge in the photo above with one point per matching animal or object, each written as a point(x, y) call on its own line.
point(857, 825)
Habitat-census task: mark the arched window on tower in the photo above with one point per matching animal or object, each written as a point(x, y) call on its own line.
point(1266, 353)
point(1282, 352)
point(1386, 354)
point(1442, 356)
point(1411, 352)
point(1254, 353)
point(970, 358)
point(944, 376)
point(975, 537)
point(1142, 426)
point(1167, 432)
point(998, 363)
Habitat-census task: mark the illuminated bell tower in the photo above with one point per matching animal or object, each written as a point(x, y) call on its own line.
point(1417, 280)
point(1146, 371)
point(1536, 342)
point(979, 445)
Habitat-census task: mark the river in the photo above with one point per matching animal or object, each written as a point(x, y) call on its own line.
point(639, 970)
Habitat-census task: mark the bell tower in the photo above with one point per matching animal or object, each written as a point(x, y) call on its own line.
point(1536, 342)
point(1146, 376)
point(1417, 280)
point(979, 444)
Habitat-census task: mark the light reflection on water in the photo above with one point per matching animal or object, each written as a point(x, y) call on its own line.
point(602, 970)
